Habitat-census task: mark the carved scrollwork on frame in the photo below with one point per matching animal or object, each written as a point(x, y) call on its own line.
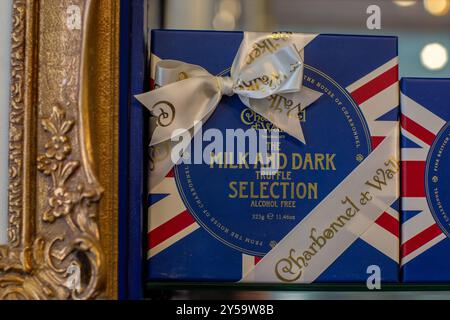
point(16, 120)
point(62, 192)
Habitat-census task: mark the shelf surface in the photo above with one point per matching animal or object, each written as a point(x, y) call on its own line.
point(232, 291)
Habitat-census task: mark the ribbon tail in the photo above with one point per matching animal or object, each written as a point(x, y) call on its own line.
point(163, 159)
point(176, 107)
point(160, 163)
point(161, 156)
point(277, 266)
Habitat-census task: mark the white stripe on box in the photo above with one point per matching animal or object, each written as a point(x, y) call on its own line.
point(416, 225)
point(381, 103)
point(381, 128)
point(414, 204)
point(422, 249)
point(164, 210)
point(377, 72)
point(248, 263)
point(421, 115)
point(414, 154)
point(167, 185)
point(383, 241)
point(415, 139)
point(392, 212)
point(170, 241)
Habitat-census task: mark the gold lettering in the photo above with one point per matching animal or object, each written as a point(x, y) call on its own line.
point(319, 162)
point(233, 188)
point(308, 162)
point(330, 163)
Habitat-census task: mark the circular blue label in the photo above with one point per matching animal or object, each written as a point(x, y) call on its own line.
point(437, 178)
point(251, 213)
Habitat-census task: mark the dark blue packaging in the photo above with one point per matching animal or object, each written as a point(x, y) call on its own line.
point(425, 151)
point(215, 224)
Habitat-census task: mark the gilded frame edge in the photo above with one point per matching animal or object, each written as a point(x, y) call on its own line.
point(63, 151)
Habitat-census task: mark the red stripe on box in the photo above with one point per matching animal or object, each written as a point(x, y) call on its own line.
point(374, 86)
point(257, 259)
point(417, 130)
point(169, 228)
point(420, 239)
point(376, 141)
point(413, 175)
point(170, 174)
point(389, 223)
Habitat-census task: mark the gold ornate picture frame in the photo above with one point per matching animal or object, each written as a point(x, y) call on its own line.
point(63, 151)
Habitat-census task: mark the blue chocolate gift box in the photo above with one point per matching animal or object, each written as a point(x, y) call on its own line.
point(425, 153)
point(216, 223)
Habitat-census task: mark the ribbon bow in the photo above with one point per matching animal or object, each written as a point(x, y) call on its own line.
point(267, 67)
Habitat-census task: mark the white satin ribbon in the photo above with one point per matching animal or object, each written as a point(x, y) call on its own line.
point(295, 259)
point(266, 65)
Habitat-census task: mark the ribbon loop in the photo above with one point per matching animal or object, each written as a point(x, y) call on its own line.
point(278, 72)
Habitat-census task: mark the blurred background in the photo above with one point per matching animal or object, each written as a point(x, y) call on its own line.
point(423, 26)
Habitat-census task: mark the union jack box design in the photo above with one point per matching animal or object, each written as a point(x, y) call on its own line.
point(425, 154)
point(200, 230)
